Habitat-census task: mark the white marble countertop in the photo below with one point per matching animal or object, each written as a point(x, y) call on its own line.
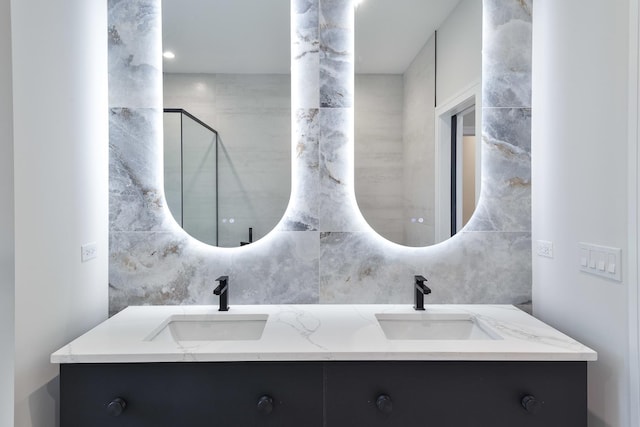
point(321, 332)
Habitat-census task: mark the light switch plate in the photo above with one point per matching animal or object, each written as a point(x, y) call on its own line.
point(602, 261)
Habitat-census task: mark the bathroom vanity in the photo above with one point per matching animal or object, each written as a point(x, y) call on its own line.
point(323, 365)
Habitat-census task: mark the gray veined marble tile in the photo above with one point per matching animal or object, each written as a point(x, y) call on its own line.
point(508, 125)
point(305, 14)
point(336, 14)
point(136, 199)
point(336, 77)
point(135, 56)
point(305, 86)
point(490, 217)
point(136, 134)
point(500, 12)
point(354, 267)
point(284, 270)
point(471, 267)
point(305, 55)
point(482, 267)
point(148, 268)
point(338, 210)
point(506, 59)
point(505, 201)
point(169, 268)
point(336, 54)
point(302, 213)
point(323, 250)
point(131, 207)
point(336, 144)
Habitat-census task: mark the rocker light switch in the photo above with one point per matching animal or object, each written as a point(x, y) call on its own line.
point(601, 261)
point(584, 257)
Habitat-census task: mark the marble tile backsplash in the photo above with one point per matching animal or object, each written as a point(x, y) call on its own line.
point(322, 251)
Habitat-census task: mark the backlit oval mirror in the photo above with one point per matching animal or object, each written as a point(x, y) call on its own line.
point(231, 72)
point(227, 127)
point(417, 89)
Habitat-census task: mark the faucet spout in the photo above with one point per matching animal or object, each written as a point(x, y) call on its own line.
point(223, 290)
point(420, 291)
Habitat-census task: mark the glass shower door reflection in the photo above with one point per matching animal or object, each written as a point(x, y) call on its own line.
point(190, 151)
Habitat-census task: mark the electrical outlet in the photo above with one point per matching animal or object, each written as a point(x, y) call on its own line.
point(545, 249)
point(89, 251)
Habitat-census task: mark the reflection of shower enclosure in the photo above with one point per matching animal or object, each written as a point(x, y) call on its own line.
point(191, 174)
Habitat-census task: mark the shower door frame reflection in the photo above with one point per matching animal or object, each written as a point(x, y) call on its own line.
point(191, 174)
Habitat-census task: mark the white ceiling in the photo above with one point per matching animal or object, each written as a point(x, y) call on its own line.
point(253, 36)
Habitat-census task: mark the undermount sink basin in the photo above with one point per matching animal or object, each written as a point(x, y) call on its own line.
point(434, 326)
point(210, 327)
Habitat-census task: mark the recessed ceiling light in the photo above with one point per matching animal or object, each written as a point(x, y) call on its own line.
point(169, 55)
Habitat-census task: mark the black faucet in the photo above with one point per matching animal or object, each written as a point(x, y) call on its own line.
point(223, 291)
point(420, 291)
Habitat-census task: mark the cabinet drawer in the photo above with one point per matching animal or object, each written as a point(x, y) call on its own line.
point(327, 394)
point(192, 394)
point(456, 394)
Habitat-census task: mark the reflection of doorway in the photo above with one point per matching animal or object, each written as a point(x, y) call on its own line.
point(457, 174)
point(463, 168)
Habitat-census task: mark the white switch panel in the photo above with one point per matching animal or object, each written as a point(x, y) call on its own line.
point(600, 260)
point(89, 251)
point(545, 248)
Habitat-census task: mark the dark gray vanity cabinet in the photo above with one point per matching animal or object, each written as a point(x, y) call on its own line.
point(325, 394)
point(191, 395)
point(456, 394)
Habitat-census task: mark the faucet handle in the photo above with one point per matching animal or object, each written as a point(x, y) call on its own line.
point(420, 279)
point(419, 292)
point(222, 286)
